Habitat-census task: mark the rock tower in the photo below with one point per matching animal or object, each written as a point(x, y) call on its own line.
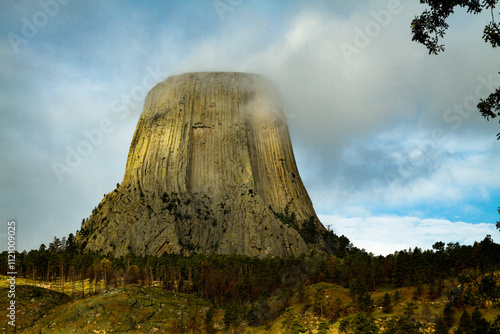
point(210, 170)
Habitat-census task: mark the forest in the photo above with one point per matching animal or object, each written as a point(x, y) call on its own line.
point(259, 290)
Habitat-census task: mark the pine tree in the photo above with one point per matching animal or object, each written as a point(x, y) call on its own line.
point(448, 315)
point(440, 326)
point(479, 324)
point(323, 328)
point(387, 303)
point(363, 324)
point(464, 324)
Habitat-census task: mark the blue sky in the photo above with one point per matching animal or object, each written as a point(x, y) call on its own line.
point(386, 137)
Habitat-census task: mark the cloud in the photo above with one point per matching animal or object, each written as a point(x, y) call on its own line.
point(383, 235)
point(383, 129)
point(380, 112)
point(386, 175)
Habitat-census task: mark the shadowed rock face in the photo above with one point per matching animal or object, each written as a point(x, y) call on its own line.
point(210, 170)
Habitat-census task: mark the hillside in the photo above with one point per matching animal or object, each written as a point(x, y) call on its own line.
point(446, 289)
point(143, 309)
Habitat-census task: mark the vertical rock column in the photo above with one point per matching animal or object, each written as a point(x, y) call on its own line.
point(210, 169)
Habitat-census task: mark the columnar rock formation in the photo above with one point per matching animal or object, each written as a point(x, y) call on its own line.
point(211, 170)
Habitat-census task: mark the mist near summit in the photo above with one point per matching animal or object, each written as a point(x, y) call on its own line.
point(386, 137)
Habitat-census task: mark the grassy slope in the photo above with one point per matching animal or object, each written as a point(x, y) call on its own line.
point(32, 304)
point(152, 310)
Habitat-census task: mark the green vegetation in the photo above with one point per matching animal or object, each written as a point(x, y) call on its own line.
point(431, 26)
point(307, 229)
point(449, 289)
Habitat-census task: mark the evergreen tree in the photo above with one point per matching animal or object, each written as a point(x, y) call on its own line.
point(387, 303)
point(358, 324)
point(70, 246)
point(55, 245)
point(232, 317)
point(405, 323)
point(209, 321)
point(495, 326)
point(365, 302)
point(464, 324)
point(448, 315)
point(440, 326)
point(319, 302)
point(291, 324)
point(345, 325)
point(132, 275)
point(478, 323)
point(323, 328)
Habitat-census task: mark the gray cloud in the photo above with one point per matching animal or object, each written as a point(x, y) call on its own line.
point(386, 126)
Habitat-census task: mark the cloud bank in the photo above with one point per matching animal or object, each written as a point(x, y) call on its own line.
point(379, 127)
point(388, 234)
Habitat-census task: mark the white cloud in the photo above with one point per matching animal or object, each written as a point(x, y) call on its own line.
point(353, 121)
point(387, 234)
point(383, 173)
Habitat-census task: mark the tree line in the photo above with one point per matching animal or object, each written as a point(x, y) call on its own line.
point(245, 284)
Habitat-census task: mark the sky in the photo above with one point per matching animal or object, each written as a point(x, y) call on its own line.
point(387, 139)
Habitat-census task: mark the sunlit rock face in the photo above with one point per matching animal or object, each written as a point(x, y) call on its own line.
point(210, 170)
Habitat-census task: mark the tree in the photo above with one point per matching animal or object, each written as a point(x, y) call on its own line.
point(308, 231)
point(323, 327)
point(302, 294)
point(55, 245)
point(464, 324)
point(440, 326)
point(291, 324)
point(70, 246)
point(132, 275)
point(365, 302)
point(358, 324)
point(106, 266)
point(498, 222)
point(448, 315)
point(405, 323)
point(209, 320)
point(319, 302)
point(344, 325)
point(364, 324)
point(476, 324)
point(479, 324)
point(431, 25)
point(62, 246)
point(495, 325)
point(488, 289)
point(438, 247)
point(387, 303)
point(232, 317)
point(360, 295)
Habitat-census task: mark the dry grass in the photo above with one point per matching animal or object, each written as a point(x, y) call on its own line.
point(137, 309)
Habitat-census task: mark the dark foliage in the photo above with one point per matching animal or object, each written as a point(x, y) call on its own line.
point(431, 25)
point(244, 285)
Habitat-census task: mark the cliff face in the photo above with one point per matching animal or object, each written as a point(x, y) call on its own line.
point(211, 170)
